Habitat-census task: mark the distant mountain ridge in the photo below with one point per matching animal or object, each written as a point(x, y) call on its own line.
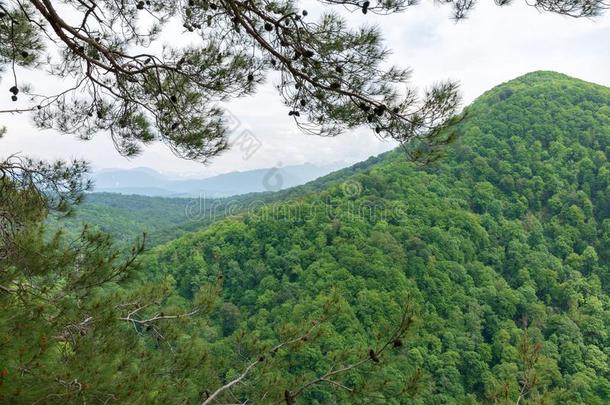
point(148, 182)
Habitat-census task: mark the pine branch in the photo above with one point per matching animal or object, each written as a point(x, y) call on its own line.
point(406, 322)
point(157, 317)
point(261, 359)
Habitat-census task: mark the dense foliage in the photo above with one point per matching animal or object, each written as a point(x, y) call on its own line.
point(503, 246)
point(78, 325)
point(483, 277)
point(127, 217)
point(161, 219)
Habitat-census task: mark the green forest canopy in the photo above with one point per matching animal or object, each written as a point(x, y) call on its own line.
point(510, 231)
point(501, 250)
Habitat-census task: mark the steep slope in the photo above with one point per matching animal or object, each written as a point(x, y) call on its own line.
point(509, 232)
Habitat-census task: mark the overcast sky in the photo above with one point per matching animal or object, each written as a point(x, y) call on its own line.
point(492, 46)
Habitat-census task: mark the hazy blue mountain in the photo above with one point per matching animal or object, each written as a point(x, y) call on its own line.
point(145, 181)
point(141, 180)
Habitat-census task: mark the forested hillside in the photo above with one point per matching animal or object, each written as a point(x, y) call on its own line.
point(502, 248)
point(162, 219)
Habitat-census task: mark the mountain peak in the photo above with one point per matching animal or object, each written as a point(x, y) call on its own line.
point(542, 76)
point(540, 83)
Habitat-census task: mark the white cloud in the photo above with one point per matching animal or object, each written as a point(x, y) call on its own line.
point(492, 46)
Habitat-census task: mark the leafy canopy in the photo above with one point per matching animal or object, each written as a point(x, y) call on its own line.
point(503, 246)
point(502, 249)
